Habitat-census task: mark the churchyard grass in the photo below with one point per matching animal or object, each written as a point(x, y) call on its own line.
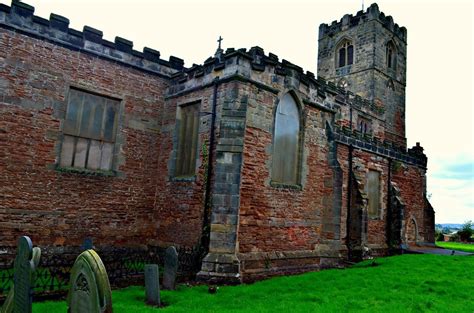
point(456, 246)
point(405, 283)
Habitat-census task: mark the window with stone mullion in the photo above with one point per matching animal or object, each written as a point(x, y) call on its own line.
point(89, 131)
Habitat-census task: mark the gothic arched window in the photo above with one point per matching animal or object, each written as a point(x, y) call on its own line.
point(345, 53)
point(391, 55)
point(286, 142)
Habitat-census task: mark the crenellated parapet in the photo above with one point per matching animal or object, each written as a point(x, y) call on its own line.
point(20, 18)
point(372, 13)
point(384, 148)
point(268, 70)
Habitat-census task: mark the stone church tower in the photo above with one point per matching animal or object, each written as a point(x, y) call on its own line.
point(366, 54)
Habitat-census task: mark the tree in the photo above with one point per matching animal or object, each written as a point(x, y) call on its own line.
point(466, 231)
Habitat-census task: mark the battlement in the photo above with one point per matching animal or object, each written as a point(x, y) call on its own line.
point(20, 17)
point(384, 148)
point(372, 13)
point(260, 63)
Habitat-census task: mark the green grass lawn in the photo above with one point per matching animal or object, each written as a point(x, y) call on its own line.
point(405, 283)
point(456, 246)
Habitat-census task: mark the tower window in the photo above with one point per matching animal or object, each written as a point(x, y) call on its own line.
point(345, 53)
point(364, 126)
point(391, 56)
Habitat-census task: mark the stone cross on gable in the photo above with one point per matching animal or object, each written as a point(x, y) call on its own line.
point(219, 50)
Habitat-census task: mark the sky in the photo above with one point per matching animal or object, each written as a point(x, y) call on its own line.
point(439, 103)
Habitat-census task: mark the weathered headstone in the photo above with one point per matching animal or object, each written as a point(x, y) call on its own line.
point(89, 288)
point(171, 268)
point(152, 284)
point(19, 298)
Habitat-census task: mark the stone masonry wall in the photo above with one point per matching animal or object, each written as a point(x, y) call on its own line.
point(59, 208)
point(369, 76)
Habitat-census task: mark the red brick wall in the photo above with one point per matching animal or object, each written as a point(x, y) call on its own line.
point(362, 162)
point(180, 203)
point(282, 219)
point(410, 181)
point(63, 208)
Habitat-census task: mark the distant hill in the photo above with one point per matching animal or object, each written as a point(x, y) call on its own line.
point(450, 225)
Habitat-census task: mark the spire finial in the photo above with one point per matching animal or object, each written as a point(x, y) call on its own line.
point(219, 41)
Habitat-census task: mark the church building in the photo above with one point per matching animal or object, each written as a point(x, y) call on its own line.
point(272, 169)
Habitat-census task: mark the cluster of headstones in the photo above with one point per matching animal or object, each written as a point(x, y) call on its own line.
point(89, 288)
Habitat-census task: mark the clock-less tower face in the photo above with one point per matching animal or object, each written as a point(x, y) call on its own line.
point(366, 54)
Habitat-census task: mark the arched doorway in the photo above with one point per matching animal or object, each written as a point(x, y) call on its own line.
point(411, 232)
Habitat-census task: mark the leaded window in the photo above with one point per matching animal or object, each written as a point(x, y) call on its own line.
point(345, 52)
point(89, 131)
point(286, 142)
point(391, 56)
point(188, 129)
point(373, 193)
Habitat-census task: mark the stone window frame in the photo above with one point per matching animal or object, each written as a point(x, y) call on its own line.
point(174, 158)
point(344, 43)
point(380, 212)
point(391, 53)
point(301, 133)
point(364, 125)
point(119, 140)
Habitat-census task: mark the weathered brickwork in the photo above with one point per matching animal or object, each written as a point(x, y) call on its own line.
point(277, 218)
point(411, 182)
point(251, 225)
point(54, 207)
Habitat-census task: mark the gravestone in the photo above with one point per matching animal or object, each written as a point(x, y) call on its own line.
point(171, 268)
point(19, 298)
point(89, 288)
point(152, 284)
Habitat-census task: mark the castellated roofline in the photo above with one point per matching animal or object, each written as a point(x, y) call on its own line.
point(267, 72)
point(263, 69)
point(372, 13)
point(20, 17)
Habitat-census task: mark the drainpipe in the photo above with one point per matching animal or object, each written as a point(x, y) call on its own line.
point(389, 226)
point(349, 191)
point(206, 226)
point(349, 200)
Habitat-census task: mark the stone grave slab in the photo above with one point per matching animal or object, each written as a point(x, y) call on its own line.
point(171, 268)
point(152, 284)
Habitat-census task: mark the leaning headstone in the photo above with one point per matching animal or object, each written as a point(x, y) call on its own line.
point(19, 298)
point(152, 284)
point(89, 288)
point(171, 268)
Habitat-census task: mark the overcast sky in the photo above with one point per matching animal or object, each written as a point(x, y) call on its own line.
point(439, 106)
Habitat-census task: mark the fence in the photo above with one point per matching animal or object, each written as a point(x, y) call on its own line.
point(125, 267)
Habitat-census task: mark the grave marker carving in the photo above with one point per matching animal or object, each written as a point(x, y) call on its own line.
point(89, 289)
